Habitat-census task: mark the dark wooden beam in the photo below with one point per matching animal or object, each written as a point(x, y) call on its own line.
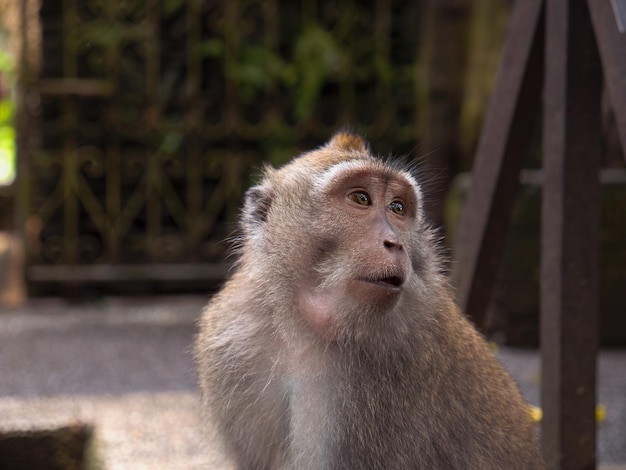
point(569, 236)
point(503, 143)
point(612, 44)
point(75, 87)
point(106, 273)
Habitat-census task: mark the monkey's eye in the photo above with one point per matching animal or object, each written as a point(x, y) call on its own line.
point(360, 197)
point(397, 207)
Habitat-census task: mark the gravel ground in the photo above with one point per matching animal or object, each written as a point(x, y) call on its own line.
point(124, 365)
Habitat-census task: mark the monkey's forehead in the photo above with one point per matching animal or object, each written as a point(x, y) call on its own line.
point(342, 169)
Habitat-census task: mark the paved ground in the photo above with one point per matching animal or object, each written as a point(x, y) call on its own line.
point(124, 365)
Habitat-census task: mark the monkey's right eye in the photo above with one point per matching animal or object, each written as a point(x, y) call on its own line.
point(360, 197)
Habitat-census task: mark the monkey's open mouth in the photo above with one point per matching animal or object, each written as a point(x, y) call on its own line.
point(389, 282)
point(393, 281)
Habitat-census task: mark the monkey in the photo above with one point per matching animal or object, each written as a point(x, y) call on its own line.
point(336, 342)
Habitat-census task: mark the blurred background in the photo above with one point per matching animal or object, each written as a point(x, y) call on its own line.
point(129, 130)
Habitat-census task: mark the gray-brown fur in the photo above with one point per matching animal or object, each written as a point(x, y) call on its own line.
point(299, 372)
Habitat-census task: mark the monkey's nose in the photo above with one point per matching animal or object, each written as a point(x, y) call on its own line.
point(393, 245)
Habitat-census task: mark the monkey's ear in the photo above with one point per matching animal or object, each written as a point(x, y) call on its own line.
point(348, 141)
point(258, 200)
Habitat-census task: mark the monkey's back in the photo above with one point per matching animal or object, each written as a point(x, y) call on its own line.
point(477, 419)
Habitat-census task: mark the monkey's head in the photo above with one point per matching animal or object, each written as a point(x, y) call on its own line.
point(337, 243)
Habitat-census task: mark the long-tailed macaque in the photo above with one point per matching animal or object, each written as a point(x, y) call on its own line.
point(336, 343)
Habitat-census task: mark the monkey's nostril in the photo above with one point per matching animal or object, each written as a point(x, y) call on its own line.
point(392, 245)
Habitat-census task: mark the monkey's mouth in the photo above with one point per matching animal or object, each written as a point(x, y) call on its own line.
point(393, 283)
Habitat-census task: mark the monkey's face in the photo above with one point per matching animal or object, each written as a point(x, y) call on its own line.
point(361, 237)
point(334, 240)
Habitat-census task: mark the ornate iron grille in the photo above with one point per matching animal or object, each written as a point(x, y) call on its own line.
point(153, 114)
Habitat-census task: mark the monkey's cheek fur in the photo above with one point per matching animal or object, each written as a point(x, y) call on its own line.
point(324, 310)
point(319, 308)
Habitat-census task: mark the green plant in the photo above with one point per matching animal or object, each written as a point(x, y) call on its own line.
point(7, 131)
point(317, 57)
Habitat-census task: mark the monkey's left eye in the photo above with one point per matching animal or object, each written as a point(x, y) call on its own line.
point(361, 198)
point(397, 207)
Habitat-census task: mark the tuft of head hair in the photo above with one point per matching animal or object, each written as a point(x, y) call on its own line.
point(347, 142)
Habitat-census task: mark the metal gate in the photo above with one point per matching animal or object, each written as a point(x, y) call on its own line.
point(144, 121)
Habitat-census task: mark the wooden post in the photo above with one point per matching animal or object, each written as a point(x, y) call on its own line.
point(611, 46)
point(570, 226)
point(501, 149)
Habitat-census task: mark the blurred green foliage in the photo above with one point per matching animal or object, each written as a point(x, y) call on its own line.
point(7, 131)
point(258, 71)
point(316, 57)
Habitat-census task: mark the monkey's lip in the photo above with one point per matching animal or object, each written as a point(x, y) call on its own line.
point(391, 283)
